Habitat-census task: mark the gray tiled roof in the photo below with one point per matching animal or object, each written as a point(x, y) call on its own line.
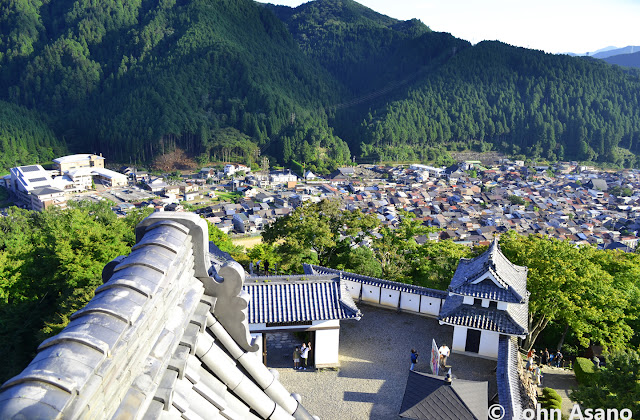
point(512, 278)
point(512, 321)
point(429, 397)
point(392, 285)
point(508, 380)
point(315, 299)
point(160, 339)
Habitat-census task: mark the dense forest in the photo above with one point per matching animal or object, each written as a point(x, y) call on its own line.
point(25, 138)
point(50, 264)
point(319, 84)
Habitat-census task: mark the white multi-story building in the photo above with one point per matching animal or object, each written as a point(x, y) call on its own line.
point(283, 177)
point(39, 188)
point(35, 187)
point(85, 160)
point(230, 169)
point(432, 171)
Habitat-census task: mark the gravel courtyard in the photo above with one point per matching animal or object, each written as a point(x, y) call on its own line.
point(374, 359)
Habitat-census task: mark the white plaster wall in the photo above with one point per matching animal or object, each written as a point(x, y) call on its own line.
point(353, 287)
point(370, 293)
point(468, 300)
point(489, 344)
point(485, 303)
point(459, 338)
point(430, 305)
point(332, 323)
point(410, 302)
point(503, 306)
point(390, 298)
point(257, 327)
point(326, 347)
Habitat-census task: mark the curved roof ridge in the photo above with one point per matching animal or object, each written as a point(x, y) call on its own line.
point(504, 257)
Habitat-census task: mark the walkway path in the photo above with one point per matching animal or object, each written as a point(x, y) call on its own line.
point(375, 359)
point(563, 381)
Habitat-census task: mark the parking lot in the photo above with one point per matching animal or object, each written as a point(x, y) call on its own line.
point(131, 194)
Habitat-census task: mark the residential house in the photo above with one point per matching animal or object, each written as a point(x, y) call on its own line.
point(241, 223)
point(283, 177)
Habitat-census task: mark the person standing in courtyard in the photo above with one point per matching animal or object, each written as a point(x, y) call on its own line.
point(536, 375)
point(444, 354)
point(414, 359)
point(296, 358)
point(305, 355)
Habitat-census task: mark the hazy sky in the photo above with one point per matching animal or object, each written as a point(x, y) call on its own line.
point(576, 26)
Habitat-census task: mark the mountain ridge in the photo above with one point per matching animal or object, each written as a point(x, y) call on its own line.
point(231, 79)
point(616, 51)
point(628, 60)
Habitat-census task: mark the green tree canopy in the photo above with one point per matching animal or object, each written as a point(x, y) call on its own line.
point(579, 286)
point(616, 385)
point(317, 233)
point(50, 264)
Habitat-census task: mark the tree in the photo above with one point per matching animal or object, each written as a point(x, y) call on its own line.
point(514, 199)
point(50, 264)
point(569, 285)
point(394, 247)
point(616, 385)
point(222, 240)
point(435, 262)
point(360, 260)
point(264, 252)
point(317, 233)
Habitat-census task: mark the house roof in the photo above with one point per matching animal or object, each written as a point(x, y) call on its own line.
point(161, 338)
point(305, 298)
point(513, 321)
point(430, 397)
point(511, 279)
point(46, 191)
point(599, 184)
point(77, 158)
point(402, 287)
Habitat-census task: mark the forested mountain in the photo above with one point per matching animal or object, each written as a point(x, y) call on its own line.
point(25, 138)
point(318, 83)
point(134, 78)
point(443, 91)
point(516, 100)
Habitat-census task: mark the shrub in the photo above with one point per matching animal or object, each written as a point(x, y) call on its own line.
point(550, 399)
point(553, 404)
point(551, 394)
point(584, 370)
